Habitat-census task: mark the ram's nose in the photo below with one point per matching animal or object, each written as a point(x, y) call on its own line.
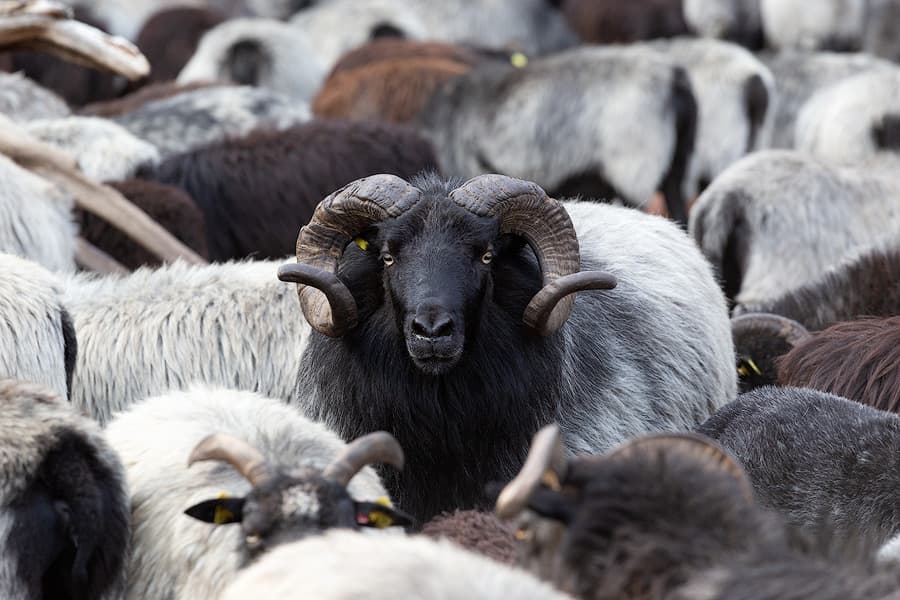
point(432, 321)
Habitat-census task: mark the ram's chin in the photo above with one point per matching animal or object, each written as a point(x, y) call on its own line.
point(436, 365)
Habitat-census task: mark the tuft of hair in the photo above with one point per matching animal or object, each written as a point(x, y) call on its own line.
point(21, 99)
point(150, 93)
point(476, 531)
point(856, 359)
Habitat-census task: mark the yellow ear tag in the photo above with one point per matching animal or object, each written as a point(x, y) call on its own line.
point(518, 60)
point(383, 501)
point(742, 371)
point(222, 515)
point(380, 519)
point(753, 366)
point(362, 243)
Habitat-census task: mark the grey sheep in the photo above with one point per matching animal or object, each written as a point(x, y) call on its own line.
point(154, 330)
point(38, 338)
point(735, 99)
point(104, 151)
point(820, 25)
point(199, 117)
point(258, 52)
point(819, 459)
point(35, 218)
point(177, 556)
point(799, 75)
point(853, 121)
point(21, 99)
point(737, 21)
point(343, 565)
point(64, 522)
point(777, 204)
point(441, 320)
point(624, 128)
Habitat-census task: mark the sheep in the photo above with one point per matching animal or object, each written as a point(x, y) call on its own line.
point(259, 52)
point(39, 338)
point(816, 458)
point(21, 99)
point(136, 100)
point(856, 359)
point(170, 36)
point(391, 79)
point(798, 75)
point(165, 204)
point(126, 17)
point(35, 218)
point(737, 21)
point(625, 127)
point(882, 37)
point(777, 203)
point(181, 548)
point(257, 191)
point(431, 344)
point(623, 21)
point(196, 118)
point(476, 531)
point(822, 25)
point(861, 286)
point(759, 340)
point(853, 121)
point(735, 93)
point(64, 527)
point(349, 565)
point(104, 151)
point(669, 516)
point(151, 331)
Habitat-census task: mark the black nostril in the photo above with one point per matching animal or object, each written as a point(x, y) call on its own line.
point(433, 326)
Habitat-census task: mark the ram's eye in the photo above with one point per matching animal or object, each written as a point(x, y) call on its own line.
point(487, 257)
point(388, 259)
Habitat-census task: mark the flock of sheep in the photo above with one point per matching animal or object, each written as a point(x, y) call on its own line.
point(468, 299)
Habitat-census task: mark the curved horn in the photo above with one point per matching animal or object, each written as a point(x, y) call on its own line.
point(524, 209)
point(327, 304)
point(378, 447)
point(91, 258)
point(700, 448)
point(247, 460)
point(47, 25)
point(774, 325)
point(546, 462)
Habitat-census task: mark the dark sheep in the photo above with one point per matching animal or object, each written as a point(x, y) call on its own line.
point(864, 286)
point(479, 532)
point(169, 38)
point(77, 85)
point(135, 100)
point(257, 191)
point(165, 204)
point(819, 459)
point(859, 360)
point(624, 21)
point(759, 339)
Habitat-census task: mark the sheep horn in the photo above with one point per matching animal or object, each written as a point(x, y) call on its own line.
point(789, 330)
point(524, 209)
point(546, 462)
point(326, 302)
point(698, 447)
point(56, 166)
point(91, 258)
point(47, 25)
point(246, 460)
point(378, 447)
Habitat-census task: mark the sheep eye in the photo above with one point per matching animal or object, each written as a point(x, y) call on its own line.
point(487, 257)
point(388, 259)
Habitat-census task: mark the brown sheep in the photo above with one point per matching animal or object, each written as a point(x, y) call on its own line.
point(476, 531)
point(859, 360)
point(169, 38)
point(624, 21)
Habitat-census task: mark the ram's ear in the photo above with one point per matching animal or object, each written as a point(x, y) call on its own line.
point(376, 514)
point(550, 504)
point(219, 511)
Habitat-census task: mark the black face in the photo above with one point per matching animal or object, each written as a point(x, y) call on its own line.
point(437, 271)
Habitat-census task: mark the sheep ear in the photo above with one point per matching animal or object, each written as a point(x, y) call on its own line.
point(550, 504)
point(219, 511)
point(376, 514)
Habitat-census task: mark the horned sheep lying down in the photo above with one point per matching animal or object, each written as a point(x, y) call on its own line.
point(444, 314)
point(64, 524)
point(195, 525)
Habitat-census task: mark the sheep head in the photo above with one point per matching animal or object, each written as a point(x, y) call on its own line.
point(286, 506)
point(437, 250)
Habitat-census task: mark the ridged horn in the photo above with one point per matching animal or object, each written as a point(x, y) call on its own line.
point(246, 460)
point(546, 462)
point(378, 447)
point(789, 330)
point(326, 302)
point(524, 209)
